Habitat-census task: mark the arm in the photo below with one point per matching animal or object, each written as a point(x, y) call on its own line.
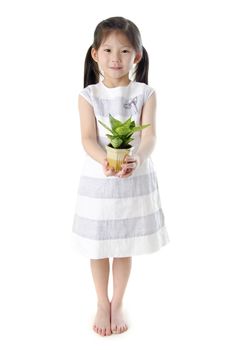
point(148, 135)
point(148, 139)
point(88, 131)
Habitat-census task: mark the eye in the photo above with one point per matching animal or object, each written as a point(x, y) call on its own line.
point(125, 51)
point(107, 50)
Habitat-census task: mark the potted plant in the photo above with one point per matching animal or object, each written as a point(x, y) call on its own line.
point(119, 146)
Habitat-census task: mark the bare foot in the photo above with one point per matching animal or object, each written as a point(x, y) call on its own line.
point(118, 324)
point(102, 324)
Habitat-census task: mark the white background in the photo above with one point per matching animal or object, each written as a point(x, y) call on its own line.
point(178, 298)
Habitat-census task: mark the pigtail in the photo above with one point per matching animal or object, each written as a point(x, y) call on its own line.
point(141, 73)
point(91, 72)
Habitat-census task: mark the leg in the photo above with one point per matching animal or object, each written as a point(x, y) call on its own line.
point(100, 273)
point(121, 268)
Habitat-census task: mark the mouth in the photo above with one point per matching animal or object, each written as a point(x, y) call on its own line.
point(116, 68)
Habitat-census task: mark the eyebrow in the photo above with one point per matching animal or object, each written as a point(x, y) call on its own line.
point(121, 45)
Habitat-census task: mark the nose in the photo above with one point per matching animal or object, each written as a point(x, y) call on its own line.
point(115, 57)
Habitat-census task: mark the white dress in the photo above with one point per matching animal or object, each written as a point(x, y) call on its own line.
point(118, 217)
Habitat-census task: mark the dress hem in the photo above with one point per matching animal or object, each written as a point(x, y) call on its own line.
point(127, 247)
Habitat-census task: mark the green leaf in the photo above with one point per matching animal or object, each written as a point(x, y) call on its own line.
point(110, 136)
point(116, 142)
point(129, 134)
point(138, 128)
point(114, 122)
point(122, 130)
point(132, 124)
point(128, 140)
point(127, 123)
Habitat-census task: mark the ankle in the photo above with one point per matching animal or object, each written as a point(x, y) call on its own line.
point(104, 303)
point(116, 303)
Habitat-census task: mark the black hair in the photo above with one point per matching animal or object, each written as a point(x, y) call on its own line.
point(131, 31)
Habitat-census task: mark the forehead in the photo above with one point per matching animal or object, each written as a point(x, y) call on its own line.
point(116, 38)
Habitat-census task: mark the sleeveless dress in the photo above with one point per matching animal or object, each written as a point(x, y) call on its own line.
point(117, 217)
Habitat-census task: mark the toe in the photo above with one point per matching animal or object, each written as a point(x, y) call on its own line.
point(114, 329)
point(108, 331)
point(123, 328)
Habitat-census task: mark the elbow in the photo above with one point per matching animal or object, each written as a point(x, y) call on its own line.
point(83, 141)
point(87, 141)
point(155, 139)
point(152, 139)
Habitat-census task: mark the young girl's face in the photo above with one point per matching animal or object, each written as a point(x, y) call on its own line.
point(115, 57)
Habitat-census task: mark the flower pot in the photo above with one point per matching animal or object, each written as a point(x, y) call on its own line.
point(116, 156)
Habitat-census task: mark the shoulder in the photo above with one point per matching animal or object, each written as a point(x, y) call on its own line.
point(89, 92)
point(144, 89)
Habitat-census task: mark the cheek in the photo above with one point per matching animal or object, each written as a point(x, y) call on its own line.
point(130, 60)
point(103, 59)
point(129, 63)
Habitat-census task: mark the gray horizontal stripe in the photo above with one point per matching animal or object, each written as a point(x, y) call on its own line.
point(117, 187)
point(118, 229)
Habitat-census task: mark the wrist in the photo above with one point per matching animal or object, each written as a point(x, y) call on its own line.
point(103, 160)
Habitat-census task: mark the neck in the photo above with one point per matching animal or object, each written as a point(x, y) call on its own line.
point(115, 83)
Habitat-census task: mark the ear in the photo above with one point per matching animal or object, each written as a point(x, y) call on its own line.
point(137, 57)
point(94, 54)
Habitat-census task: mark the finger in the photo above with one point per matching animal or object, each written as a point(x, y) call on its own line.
point(125, 173)
point(131, 165)
point(128, 166)
point(105, 165)
point(119, 173)
point(108, 169)
point(112, 171)
point(130, 159)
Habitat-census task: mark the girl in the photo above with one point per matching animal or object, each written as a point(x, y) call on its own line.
point(118, 214)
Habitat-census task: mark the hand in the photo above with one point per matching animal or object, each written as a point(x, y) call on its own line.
point(108, 171)
point(131, 163)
